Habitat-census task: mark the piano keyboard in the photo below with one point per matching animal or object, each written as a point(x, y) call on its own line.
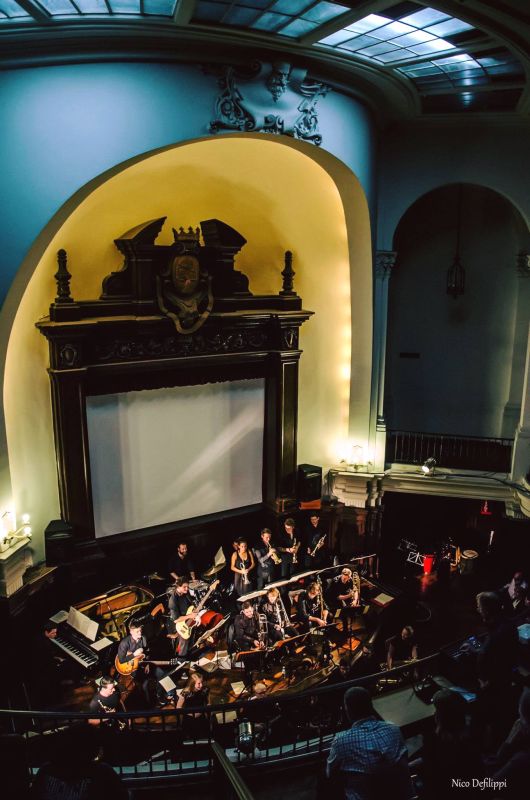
point(77, 651)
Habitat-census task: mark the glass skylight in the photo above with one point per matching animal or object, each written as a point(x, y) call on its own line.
point(463, 70)
point(10, 10)
point(385, 40)
point(293, 18)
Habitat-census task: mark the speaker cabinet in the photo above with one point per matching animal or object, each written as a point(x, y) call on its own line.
point(309, 482)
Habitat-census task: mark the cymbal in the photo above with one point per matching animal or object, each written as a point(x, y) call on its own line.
point(213, 570)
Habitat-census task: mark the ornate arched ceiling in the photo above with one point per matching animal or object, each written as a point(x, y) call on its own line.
point(407, 59)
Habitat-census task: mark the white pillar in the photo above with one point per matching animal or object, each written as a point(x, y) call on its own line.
point(384, 263)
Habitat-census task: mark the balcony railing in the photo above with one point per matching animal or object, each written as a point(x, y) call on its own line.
point(456, 452)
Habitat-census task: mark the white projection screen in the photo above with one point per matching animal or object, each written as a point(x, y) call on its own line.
point(162, 455)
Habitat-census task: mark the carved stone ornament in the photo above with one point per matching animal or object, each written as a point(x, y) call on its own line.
point(230, 113)
point(385, 261)
point(68, 355)
point(278, 79)
point(184, 290)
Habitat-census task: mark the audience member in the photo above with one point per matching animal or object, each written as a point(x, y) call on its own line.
point(513, 758)
point(371, 755)
point(449, 752)
point(74, 773)
point(516, 593)
point(495, 662)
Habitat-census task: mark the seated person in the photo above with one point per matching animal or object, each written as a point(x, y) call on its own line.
point(107, 700)
point(179, 604)
point(450, 750)
point(278, 623)
point(516, 593)
point(180, 564)
point(402, 647)
point(194, 696)
point(311, 611)
point(246, 630)
point(371, 755)
point(344, 593)
point(134, 648)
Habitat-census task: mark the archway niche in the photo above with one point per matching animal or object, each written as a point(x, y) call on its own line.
point(456, 365)
point(280, 195)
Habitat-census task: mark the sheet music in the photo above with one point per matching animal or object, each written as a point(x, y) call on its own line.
point(83, 624)
point(167, 684)
point(101, 644)
point(59, 617)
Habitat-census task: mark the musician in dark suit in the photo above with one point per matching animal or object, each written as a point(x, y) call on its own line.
point(278, 623)
point(246, 631)
point(311, 611)
point(266, 566)
point(317, 555)
point(179, 602)
point(288, 547)
point(135, 646)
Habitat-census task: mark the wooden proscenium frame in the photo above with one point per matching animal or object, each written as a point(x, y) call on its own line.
point(129, 339)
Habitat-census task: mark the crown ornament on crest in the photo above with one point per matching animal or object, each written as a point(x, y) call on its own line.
point(190, 235)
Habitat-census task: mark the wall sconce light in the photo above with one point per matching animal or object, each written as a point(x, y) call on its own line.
point(9, 534)
point(429, 466)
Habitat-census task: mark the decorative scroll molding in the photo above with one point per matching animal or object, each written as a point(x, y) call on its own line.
point(233, 114)
point(523, 264)
point(385, 261)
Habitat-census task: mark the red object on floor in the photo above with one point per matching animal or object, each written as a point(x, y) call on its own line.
point(428, 562)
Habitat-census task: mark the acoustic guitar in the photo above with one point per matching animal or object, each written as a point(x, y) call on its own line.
point(128, 667)
point(184, 627)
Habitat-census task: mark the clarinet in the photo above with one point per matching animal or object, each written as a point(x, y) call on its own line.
point(279, 617)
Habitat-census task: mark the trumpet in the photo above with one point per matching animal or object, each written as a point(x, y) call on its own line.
point(318, 545)
point(274, 555)
point(244, 570)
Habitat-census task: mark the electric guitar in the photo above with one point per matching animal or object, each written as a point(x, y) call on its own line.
point(128, 667)
point(185, 627)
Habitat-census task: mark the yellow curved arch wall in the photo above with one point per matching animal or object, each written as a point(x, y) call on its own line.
point(279, 198)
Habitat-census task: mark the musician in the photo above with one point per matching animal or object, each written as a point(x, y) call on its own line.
point(180, 564)
point(311, 611)
point(289, 544)
point(135, 646)
point(344, 593)
point(246, 629)
point(278, 623)
point(107, 700)
point(242, 563)
point(179, 603)
point(402, 647)
point(317, 552)
point(265, 556)
point(194, 695)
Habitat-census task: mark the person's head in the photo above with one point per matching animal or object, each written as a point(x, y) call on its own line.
point(182, 549)
point(182, 585)
point(358, 703)
point(272, 595)
point(489, 605)
point(343, 666)
point(313, 589)
point(107, 686)
point(242, 545)
point(266, 535)
point(259, 689)
point(450, 712)
point(50, 630)
point(367, 650)
point(289, 525)
point(407, 632)
point(346, 575)
point(195, 682)
point(314, 519)
point(518, 578)
point(135, 630)
point(248, 609)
